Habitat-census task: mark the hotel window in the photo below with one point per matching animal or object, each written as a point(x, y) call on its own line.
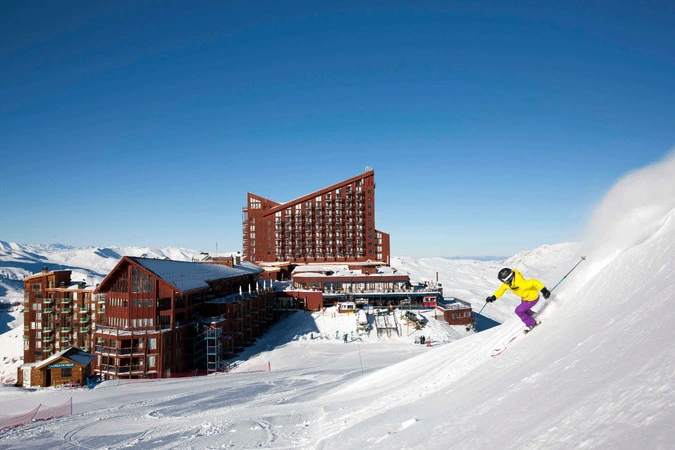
point(255, 203)
point(140, 282)
point(36, 287)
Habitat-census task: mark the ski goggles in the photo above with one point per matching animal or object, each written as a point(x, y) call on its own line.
point(508, 279)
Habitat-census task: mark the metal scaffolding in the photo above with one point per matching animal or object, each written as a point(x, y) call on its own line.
point(208, 349)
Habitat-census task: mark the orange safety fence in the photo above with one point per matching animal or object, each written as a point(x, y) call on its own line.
point(42, 412)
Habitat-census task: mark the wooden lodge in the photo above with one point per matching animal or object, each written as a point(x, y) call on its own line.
point(69, 367)
point(166, 318)
point(455, 312)
point(377, 286)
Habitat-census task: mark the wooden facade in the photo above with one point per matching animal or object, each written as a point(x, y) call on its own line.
point(457, 313)
point(69, 367)
point(58, 314)
point(334, 224)
point(161, 315)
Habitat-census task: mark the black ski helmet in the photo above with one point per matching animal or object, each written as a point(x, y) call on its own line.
point(505, 275)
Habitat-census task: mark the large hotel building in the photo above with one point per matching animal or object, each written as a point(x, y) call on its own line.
point(335, 224)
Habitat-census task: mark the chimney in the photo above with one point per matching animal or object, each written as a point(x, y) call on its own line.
point(45, 269)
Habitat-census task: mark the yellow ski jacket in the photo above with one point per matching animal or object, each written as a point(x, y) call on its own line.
point(528, 290)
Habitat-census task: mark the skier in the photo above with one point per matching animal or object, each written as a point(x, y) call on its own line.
point(527, 290)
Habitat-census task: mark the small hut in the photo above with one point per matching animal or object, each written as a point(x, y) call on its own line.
point(69, 367)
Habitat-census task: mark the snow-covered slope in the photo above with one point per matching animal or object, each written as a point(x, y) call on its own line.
point(598, 373)
point(473, 281)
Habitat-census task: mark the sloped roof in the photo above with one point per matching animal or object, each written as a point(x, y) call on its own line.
point(72, 353)
point(187, 276)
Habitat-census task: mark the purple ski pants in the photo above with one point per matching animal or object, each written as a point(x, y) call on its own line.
point(523, 311)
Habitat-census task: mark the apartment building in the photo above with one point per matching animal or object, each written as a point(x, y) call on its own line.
point(333, 224)
point(58, 313)
point(165, 318)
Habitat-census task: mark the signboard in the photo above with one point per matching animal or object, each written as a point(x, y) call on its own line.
point(60, 365)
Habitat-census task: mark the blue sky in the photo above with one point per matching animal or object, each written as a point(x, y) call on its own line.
point(492, 128)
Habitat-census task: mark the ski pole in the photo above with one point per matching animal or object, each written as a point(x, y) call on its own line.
point(481, 310)
point(583, 258)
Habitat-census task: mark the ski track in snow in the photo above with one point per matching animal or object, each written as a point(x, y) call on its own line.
point(594, 375)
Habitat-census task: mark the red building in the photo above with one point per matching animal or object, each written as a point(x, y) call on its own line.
point(58, 313)
point(456, 312)
point(165, 317)
point(333, 224)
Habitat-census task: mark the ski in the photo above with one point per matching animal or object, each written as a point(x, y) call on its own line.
point(500, 350)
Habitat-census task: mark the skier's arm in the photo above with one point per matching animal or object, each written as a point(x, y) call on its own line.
point(540, 286)
point(499, 292)
point(536, 283)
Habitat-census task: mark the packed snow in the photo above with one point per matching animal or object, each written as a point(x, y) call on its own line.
point(597, 373)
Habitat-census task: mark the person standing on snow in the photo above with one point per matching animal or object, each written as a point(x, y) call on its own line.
point(527, 290)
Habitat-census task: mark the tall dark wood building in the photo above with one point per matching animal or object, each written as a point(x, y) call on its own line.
point(333, 224)
point(58, 313)
point(164, 318)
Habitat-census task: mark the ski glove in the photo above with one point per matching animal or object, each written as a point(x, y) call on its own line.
point(491, 299)
point(545, 292)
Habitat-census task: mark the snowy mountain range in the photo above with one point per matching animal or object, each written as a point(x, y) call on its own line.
point(597, 373)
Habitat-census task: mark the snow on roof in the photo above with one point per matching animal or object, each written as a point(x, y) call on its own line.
point(187, 276)
point(72, 353)
point(318, 268)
